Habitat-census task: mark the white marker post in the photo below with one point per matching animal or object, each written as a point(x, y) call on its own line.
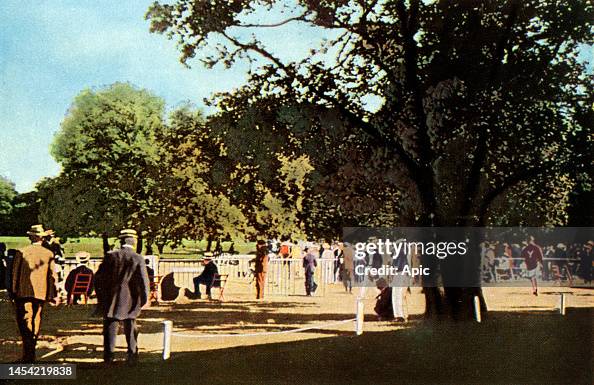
point(477, 309)
point(359, 317)
point(167, 329)
point(562, 304)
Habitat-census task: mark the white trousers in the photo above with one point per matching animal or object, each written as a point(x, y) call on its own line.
point(398, 294)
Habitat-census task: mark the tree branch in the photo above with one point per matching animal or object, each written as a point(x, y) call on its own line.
point(301, 17)
point(518, 177)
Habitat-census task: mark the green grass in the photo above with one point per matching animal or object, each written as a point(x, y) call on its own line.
point(188, 249)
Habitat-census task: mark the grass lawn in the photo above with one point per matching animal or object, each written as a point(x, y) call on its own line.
point(94, 246)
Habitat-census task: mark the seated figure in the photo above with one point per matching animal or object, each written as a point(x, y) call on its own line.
point(205, 278)
point(383, 306)
point(82, 259)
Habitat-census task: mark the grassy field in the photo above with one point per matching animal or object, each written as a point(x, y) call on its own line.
point(94, 246)
point(522, 341)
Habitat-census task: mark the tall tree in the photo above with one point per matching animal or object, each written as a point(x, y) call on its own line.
point(7, 195)
point(476, 102)
point(109, 150)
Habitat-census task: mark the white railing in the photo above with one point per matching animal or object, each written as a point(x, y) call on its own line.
point(285, 275)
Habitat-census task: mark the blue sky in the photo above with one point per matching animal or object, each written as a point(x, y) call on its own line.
point(51, 50)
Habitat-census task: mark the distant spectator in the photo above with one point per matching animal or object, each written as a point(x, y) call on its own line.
point(149, 270)
point(532, 255)
point(561, 262)
point(285, 249)
point(205, 278)
point(587, 262)
point(309, 266)
point(261, 267)
point(400, 284)
point(383, 305)
point(82, 260)
point(337, 251)
point(347, 267)
point(52, 243)
point(8, 260)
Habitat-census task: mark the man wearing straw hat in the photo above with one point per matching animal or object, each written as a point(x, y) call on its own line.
point(82, 260)
point(205, 278)
point(122, 287)
point(33, 283)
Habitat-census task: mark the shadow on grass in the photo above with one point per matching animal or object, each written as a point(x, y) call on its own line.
point(507, 348)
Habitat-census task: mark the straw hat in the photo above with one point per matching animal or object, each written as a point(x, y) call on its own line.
point(37, 230)
point(82, 257)
point(207, 255)
point(128, 233)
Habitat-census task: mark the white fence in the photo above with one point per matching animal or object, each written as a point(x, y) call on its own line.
point(284, 277)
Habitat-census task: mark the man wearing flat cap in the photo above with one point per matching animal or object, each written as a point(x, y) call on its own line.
point(33, 284)
point(122, 287)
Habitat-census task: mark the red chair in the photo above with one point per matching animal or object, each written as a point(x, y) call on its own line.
point(82, 284)
point(220, 281)
point(155, 284)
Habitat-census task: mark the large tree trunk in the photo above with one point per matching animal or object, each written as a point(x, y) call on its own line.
point(139, 244)
point(149, 247)
point(209, 242)
point(106, 246)
point(461, 279)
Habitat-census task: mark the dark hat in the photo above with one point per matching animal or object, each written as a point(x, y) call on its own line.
point(381, 283)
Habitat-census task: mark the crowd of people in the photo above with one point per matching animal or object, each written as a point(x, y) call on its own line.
point(123, 280)
point(552, 262)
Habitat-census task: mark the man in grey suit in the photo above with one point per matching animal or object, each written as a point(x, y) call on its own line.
point(122, 287)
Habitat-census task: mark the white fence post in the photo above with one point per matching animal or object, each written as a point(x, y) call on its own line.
point(359, 317)
point(562, 304)
point(477, 309)
point(167, 329)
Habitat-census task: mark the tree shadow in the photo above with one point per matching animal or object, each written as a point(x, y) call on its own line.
point(509, 347)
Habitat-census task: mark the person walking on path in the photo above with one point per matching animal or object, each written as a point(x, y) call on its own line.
point(33, 284)
point(261, 267)
point(309, 266)
point(122, 287)
point(532, 255)
point(347, 267)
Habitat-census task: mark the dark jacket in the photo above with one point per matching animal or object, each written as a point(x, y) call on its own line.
point(309, 262)
point(69, 284)
point(208, 274)
point(383, 306)
point(261, 261)
point(586, 265)
point(122, 284)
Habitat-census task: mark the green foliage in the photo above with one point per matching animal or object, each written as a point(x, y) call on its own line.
point(109, 151)
point(478, 105)
point(7, 195)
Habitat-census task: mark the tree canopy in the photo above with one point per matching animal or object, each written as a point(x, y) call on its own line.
point(425, 113)
point(458, 109)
